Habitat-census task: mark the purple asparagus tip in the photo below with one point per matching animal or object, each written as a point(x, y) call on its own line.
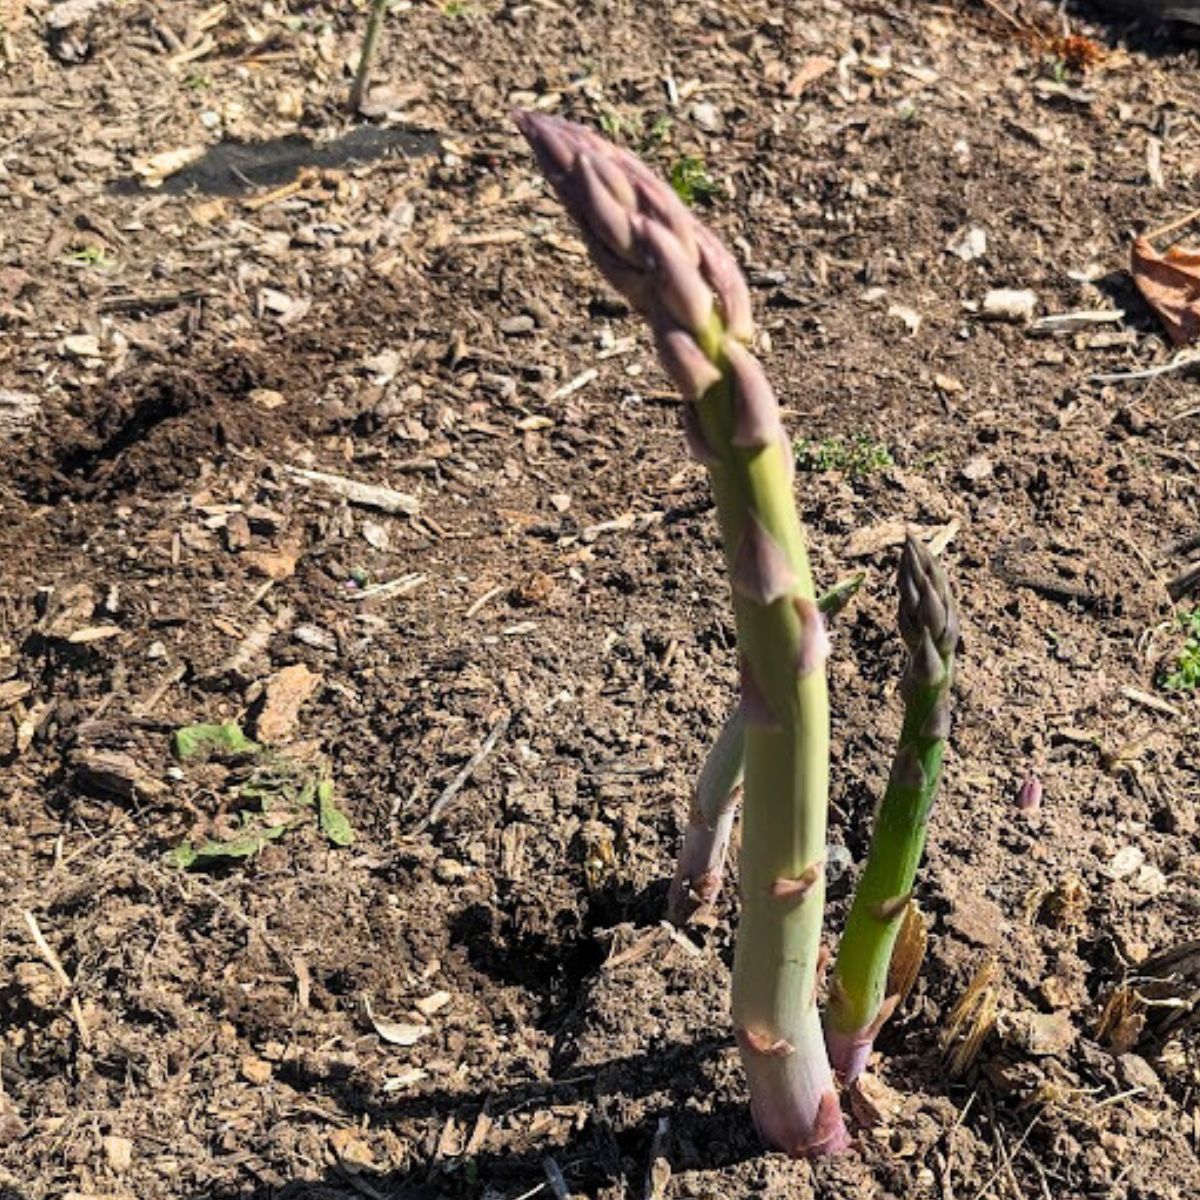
point(1029, 798)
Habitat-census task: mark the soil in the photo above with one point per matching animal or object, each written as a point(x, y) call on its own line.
point(476, 997)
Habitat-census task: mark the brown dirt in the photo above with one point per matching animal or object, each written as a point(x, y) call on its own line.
point(208, 1036)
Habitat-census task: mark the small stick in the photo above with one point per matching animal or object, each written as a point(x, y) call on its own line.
point(459, 781)
point(1181, 362)
point(1171, 226)
point(46, 950)
point(358, 90)
point(490, 594)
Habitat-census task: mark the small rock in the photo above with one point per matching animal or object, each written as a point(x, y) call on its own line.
point(980, 467)
point(255, 1070)
point(37, 985)
point(267, 398)
point(432, 1004)
point(350, 1148)
point(449, 870)
point(274, 564)
point(1056, 992)
point(517, 326)
point(976, 919)
point(1149, 880)
point(1041, 1034)
point(968, 244)
point(82, 345)
point(707, 116)
point(909, 316)
point(1010, 304)
point(315, 636)
point(838, 860)
point(119, 1152)
point(1126, 860)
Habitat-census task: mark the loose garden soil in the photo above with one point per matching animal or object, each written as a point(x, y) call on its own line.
point(476, 997)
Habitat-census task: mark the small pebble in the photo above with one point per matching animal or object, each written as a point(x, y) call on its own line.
point(1010, 304)
point(517, 326)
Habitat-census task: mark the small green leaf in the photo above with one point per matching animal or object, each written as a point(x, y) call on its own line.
point(182, 856)
point(245, 845)
point(691, 181)
point(334, 823)
point(227, 739)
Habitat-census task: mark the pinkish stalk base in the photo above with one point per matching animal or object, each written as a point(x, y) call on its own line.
point(849, 1053)
point(701, 865)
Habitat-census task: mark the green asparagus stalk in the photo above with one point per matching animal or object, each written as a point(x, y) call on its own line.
point(362, 76)
point(680, 277)
point(701, 863)
point(858, 1000)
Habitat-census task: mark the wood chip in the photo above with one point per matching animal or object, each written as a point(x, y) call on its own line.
point(115, 773)
point(286, 692)
point(276, 565)
point(392, 588)
point(433, 1003)
point(1150, 701)
point(93, 633)
point(367, 495)
point(13, 690)
point(807, 73)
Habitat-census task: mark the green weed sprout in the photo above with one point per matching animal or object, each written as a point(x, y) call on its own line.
point(1185, 676)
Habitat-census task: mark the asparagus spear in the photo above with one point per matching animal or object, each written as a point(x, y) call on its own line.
point(858, 1000)
point(701, 863)
point(680, 277)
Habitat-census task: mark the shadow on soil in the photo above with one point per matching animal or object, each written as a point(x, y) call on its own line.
point(605, 1151)
point(234, 168)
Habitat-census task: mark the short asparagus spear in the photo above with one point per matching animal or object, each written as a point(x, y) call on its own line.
point(676, 273)
point(858, 1000)
point(701, 863)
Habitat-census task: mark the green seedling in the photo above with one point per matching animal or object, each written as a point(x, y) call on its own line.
point(1185, 676)
point(90, 256)
point(691, 181)
point(219, 741)
point(855, 455)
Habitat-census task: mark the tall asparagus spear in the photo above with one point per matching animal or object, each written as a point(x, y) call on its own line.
point(858, 1003)
point(701, 863)
point(677, 274)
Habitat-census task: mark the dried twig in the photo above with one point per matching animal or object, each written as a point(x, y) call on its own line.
point(46, 950)
point(459, 781)
point(1184, 362)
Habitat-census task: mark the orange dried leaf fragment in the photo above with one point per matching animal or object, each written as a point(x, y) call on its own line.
point(1170, 283)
